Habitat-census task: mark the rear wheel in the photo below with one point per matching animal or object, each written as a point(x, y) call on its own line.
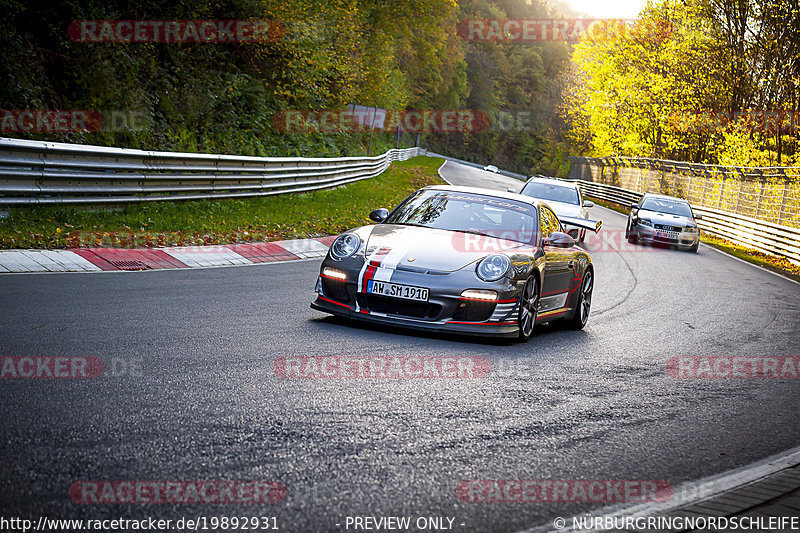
point(528, 308)
point(584, 304)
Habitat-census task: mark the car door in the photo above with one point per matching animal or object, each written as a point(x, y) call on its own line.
point(558, 266)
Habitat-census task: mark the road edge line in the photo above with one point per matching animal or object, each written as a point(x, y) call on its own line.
point(692, 492)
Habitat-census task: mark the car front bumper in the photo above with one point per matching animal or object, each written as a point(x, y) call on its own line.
point(444, 311)
point(681, 239)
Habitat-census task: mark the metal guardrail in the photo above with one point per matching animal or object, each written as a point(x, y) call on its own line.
point(37, 172)
point(773, 239)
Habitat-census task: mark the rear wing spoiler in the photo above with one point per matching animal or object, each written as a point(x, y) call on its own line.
point(593, 225)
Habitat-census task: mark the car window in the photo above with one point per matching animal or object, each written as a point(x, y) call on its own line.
point(548, 221)
point(553, 192)
point(668, 206)
point(459, 211)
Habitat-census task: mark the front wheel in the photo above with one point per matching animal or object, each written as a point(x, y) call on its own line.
point(528, 308)
point(584, 305)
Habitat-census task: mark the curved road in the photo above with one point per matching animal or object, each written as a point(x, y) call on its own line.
point(204, 403)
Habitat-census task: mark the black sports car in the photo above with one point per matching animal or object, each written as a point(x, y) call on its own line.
point(460, 259)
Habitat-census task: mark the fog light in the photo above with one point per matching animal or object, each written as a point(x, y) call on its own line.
point(478, 294)
point(334, 273)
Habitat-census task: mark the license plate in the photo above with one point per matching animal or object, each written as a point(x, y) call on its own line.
point(665, 234)
point(394, 290)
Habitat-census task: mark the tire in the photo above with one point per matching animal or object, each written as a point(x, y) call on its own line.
point(584, 304)
point(631, 236)
point(528, 308)
point(694, 247)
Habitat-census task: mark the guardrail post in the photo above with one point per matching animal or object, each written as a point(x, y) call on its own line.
point(760, 194)
point(783, 200)
point(738, 208)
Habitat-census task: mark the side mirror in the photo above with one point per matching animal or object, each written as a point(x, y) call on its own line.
point(559, 240)
point(379, 215)
point(588, 203)
point(511, 189)
point(635, 207)
point(698, 217)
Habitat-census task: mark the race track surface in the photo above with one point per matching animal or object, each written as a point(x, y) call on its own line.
point(206, 405)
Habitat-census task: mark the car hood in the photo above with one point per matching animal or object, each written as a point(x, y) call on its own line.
point(432, 250)
point(665, 218)
point(566, 210)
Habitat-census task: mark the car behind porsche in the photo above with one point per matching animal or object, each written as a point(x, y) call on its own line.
point(659, 219)
point(564, 197)
point(463, 260)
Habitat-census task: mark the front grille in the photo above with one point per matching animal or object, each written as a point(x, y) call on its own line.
point(336, 290)
point(665, 227)
point(396, 306)
point(472, 311)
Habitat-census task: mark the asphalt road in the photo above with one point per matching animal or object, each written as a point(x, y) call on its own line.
point(205, 404)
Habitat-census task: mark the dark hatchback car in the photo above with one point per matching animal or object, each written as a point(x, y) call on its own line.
point(460, 259)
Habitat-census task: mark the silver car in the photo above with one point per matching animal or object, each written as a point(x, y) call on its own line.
point(563, 197)
point(665, 220)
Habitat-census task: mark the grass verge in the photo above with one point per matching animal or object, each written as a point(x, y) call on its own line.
point(220, 221)
point(771, 262)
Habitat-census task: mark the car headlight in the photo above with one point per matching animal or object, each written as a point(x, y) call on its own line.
point(690, 229)
point(345, 245)
point(493, 267)
point(644, 222)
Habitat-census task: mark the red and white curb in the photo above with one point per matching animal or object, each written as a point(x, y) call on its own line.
point(105, 259)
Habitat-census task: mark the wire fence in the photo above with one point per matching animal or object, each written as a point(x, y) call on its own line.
point(770, 194)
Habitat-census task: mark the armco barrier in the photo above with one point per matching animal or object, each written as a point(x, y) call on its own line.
point(37, 172)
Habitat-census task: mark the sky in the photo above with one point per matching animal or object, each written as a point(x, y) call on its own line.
point(608, 8)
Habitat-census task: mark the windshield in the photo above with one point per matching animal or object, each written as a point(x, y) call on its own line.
point(552, 192)
point(668, 206)
point(473, 213)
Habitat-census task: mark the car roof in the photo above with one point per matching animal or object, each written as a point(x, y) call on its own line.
point(486, 192)
point(664, 196)
point(552, 181)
